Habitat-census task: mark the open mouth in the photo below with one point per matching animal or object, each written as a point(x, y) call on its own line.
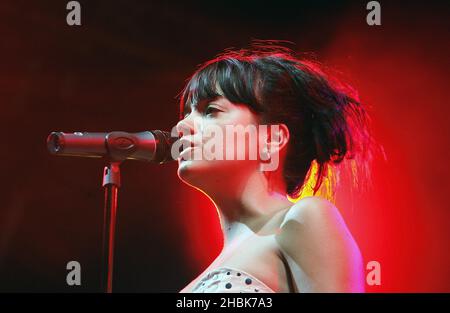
point(187, 154)
point(187, 149)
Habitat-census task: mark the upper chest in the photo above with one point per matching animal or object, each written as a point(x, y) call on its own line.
point(258, 256)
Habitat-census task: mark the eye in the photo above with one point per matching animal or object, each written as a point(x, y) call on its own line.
point(210, 110)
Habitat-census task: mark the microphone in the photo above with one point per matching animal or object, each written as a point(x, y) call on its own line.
point(153, 146)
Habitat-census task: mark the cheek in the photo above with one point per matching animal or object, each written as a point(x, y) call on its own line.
point(233, 142)
point(232, 136)
point(237, 134)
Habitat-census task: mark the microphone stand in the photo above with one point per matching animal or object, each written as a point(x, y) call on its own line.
point(111, 183)
point(118, 146)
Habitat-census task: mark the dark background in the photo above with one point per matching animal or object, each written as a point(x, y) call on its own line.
point(122, 70)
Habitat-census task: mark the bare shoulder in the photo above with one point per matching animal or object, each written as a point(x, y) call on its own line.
point(313, 209)
point(313, 220)
point(316, 239)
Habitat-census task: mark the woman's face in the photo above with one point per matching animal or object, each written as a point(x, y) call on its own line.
point(219, 130)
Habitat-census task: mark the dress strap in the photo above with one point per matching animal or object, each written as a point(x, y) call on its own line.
point(289, 276)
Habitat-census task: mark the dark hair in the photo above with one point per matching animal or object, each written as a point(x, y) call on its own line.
point(325, 119)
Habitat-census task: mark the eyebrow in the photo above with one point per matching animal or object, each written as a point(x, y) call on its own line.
point(188, 106)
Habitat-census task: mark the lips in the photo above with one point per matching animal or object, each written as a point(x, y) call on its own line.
point(187, 142)
point(188, 152)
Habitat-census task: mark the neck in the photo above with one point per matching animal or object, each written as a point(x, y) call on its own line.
point(249, 208)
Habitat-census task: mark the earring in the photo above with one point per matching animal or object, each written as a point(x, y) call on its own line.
point(267, 153)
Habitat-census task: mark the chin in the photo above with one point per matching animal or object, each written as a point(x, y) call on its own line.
point(193, 172)
point(199, 173)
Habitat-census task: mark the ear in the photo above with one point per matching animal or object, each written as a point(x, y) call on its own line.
point(278, 137)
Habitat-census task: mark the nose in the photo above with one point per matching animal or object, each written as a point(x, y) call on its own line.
point(185, 127)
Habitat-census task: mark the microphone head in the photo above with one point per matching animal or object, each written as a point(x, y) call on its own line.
point(164, 144)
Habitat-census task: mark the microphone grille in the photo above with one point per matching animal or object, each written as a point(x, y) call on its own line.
point(164, 142)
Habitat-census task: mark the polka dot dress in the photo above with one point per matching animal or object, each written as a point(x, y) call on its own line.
point(228, 280)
